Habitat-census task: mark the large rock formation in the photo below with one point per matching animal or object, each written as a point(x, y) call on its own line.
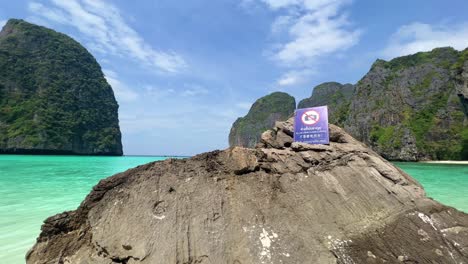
point(281, 202)
point(460, 71)
point(263, 114)
point(54, 98)
point(409, 108)
point(336, 96)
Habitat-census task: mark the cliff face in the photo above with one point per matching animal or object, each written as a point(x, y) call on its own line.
point(336, 95)
point(460, 72)
point(262, 115)
point(410, 108)
point(54, 98)
point(281, 202)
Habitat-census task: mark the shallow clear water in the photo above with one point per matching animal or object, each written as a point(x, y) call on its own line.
point(446, 183)
point(33, 188)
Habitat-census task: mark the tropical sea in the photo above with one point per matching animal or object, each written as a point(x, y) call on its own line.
point(33, 188)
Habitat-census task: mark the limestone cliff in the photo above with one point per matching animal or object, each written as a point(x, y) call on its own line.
point(281, 202)
point(410, 108)
point(54, 98)
point(460, 73)
point(336, 96)
point(246, 130)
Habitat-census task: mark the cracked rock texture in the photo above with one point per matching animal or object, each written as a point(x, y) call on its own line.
point(280, 202)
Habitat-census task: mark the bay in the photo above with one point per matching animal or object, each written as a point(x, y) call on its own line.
point(446, 183)
point(33, 188)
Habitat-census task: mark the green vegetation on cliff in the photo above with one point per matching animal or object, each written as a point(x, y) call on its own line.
point(441, 57)
point(246, 131)
point(53, 95)
point(408, 108)
point(337, 96)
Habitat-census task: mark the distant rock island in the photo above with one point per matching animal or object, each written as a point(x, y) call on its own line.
point(246, 131)
point(410, 108)
point(54, 98)
point(281, 202)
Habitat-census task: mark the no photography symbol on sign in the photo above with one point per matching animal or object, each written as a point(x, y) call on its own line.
point(310, 117)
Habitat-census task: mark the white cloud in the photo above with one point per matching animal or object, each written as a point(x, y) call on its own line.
point(107, 32)
point(281, 24)
point(416, 37)
point(51, 14)
point(275, 4)
point(39, 21)
point(313, 29)
point(319, 28)
point(188, 90)
point(194, 90)
point(295, 77)
point(287, 80)
point(158, 93)
point(122, 92)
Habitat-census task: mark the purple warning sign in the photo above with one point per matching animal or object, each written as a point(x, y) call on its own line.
point(311, 125)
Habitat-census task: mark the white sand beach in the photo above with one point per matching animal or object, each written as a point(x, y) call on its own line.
point(446, 162)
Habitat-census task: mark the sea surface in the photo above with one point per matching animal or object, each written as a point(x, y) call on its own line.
point(33, 188)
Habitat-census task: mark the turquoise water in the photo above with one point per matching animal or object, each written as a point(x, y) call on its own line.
point(446, 183)
point(33, 188)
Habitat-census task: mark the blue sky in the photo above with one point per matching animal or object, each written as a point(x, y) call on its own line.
point(183, 71)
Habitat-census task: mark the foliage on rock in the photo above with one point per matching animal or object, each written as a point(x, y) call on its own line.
point(410, 108)
point(263, 114)
point(336, 96)
point(54, 98)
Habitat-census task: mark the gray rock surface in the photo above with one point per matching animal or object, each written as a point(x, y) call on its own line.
point(461, 84)
point(281, 202)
